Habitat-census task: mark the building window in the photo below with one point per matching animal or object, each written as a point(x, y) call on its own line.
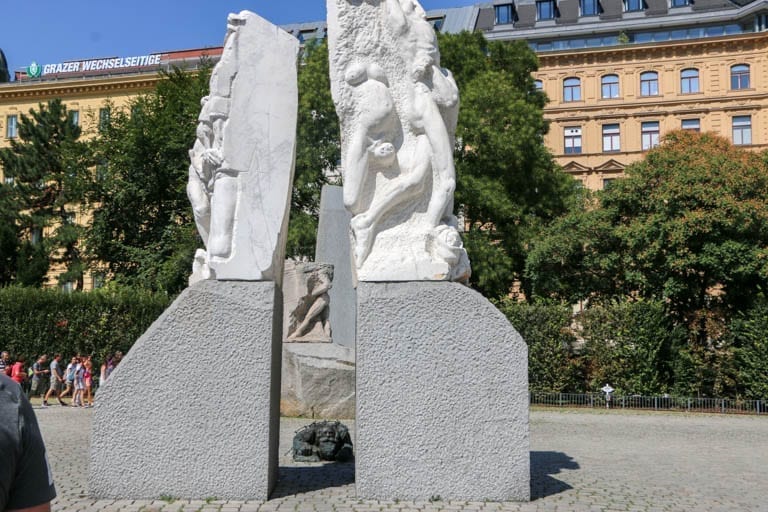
point(74, 117)
point(505, 14)
point(742, 130)
point(693, 125)
point(98, 279)
point(608, 182)
point(104, 115)
point(689, 81)
point(572, 89)
point(611, 141)
point(589, 7)
point(739, 77)
point(437, 23)
point(539, 85)
point(8, 180)
point(572, 139)
point(36, 236)
point(68, 287)
point(633, 5)
point(649, 83)
point(680, 3)
point(545, 10)
point(650, 134)
point(609, 86)
point(11, 127)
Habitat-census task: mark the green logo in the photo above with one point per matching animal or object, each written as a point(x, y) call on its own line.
point(34, 70)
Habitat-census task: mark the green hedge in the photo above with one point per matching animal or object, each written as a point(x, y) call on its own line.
point(34, 321)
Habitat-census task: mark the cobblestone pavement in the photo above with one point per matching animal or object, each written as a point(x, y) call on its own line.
point(581, 461)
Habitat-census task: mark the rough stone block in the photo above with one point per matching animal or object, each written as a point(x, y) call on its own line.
point(191, 411)
point(442, 396)
point(318, 381)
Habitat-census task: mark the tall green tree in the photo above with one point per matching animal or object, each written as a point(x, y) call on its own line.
point(318, 148)
point(9, 235)
point(49, 166)
point(688, 225)
point(143, 232)
point(508, 185)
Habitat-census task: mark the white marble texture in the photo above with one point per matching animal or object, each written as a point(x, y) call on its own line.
point(398, 110)
point(242, 162)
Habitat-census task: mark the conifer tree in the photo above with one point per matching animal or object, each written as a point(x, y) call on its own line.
point(49, 168)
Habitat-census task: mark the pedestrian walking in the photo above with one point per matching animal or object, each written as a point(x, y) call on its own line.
point(57, 381)
point(39, 375)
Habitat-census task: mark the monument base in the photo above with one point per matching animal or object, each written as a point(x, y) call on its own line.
point(318, 381)
point(192, 411)
point(442, 396)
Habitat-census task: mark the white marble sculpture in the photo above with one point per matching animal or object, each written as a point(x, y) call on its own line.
point(398, 110)
point(242, 161)
point(306, 302)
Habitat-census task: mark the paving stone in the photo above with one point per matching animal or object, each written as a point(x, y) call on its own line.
point(581, 461)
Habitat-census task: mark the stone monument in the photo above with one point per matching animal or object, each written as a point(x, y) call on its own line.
point(318, 377)
point(192, 411)
point(436, 362)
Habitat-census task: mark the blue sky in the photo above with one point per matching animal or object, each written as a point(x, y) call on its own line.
point(53, 31)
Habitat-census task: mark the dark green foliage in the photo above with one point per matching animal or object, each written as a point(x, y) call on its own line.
point(318, 148)
point(748, 339)
point(143, 231)
point(552, 365)
point(508, 186)
point(34, 322)
point(50, 169)
point(630, 345)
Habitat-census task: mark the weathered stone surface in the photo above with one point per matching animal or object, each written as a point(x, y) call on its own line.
point(398, 110)
point(442, 396)
point(318, 381)
point(190, 412)
point(242, 162)
point(306, 302)
point(333, 247)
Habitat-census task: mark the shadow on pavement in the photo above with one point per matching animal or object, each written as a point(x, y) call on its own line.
point(544, 464)
point(301, 479)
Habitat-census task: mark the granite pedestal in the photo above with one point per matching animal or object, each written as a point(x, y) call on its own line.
point(192, 411)
point(442, 396)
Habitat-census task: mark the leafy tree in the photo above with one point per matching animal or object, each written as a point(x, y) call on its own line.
point(631, 345)
point(748, 340)
point(687, 226)
point(143, 232)
point(318, 148)
point(552, 365)
point(49, 166)
point(9, 235)
point(508, 185)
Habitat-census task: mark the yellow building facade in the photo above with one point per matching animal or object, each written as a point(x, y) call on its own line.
point(86, 93)
point(608, 107)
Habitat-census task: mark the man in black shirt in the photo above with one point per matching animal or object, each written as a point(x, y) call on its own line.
point(26, 483)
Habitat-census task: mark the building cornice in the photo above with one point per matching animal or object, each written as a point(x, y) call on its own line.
point(78, 87)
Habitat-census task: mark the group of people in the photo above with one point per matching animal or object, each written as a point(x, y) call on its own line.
point(52, 380)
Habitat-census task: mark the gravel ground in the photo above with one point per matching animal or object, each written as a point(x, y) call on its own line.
point(581, 460)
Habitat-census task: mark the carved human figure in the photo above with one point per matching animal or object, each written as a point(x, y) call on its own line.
point(312, 309)
point(434, 100)
point(212, 184)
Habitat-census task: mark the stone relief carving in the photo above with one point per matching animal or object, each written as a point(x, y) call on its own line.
point(398, 110)
point(306, 302)
point(241, 163)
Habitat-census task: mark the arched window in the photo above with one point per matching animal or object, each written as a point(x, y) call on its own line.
point(572, 89)
point(689, 81)
point(649, 83)
point(609, 85)
point(740, 76)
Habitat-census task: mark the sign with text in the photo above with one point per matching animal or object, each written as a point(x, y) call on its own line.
point(98, 64)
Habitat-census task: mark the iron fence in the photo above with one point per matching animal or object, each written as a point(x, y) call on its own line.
point(653, 403)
